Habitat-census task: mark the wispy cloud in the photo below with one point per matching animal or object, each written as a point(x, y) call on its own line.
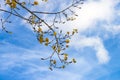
point(95, 43)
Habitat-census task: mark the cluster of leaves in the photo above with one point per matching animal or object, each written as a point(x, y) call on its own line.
point(53, 37)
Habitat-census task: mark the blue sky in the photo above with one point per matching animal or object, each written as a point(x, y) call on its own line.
point(96, 47)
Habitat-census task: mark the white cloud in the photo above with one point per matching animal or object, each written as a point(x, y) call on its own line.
point(92, 12)
point(114, 29)
point(95, 43)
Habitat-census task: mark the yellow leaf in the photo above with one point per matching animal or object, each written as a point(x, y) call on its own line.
point(73, 60)
point(65, 58)
point(36, 3)
point(39, 29)
point(54, 61)
point(53, 47)
point(55, 34)
point(47, 40)
point(13, 4)
point(68, 33)
point(7, 1)
point(67, 41)
point(46, 44)
point(41, 39)
point(65, 55)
